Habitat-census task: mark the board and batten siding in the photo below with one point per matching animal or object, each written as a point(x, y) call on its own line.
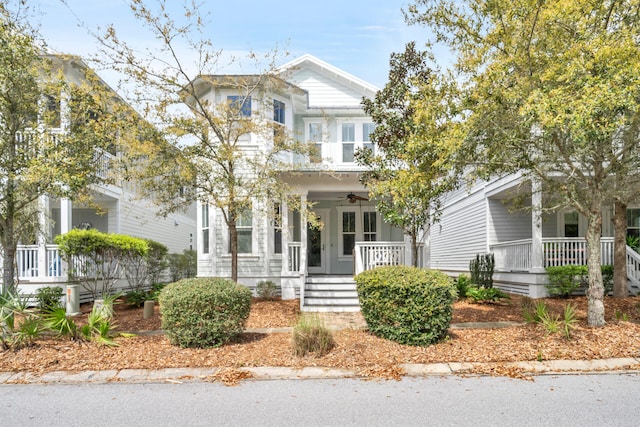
point(461, 232)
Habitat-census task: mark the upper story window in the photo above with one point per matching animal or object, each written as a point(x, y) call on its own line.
point(348, 139)
point(278, 111)
point(242, 104)
point(367, 130)
point(315, 137)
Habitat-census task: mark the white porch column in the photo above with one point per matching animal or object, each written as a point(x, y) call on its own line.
point(537, 264)
point(43, 232)
point(303, 234)
point(284, 226)
point(66, 215)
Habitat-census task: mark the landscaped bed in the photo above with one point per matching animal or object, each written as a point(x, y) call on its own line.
point(356, 349)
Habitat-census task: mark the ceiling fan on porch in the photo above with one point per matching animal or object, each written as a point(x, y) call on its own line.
point(352, 198)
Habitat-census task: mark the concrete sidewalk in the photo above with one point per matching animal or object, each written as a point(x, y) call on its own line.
point(181, 375)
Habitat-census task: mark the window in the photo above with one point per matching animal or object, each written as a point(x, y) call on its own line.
point(348, 139)
point(241, 104)
point(51, 111)
point(277, 229)
point(571, 224)
point(278, 111)
point(315, 137)
point(348, 233)
point(369, 226)
point(633, 222)
point(244, 228)
point(367, 130)
point(205, 229)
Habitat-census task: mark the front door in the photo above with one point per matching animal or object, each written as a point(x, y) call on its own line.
point(317, 248)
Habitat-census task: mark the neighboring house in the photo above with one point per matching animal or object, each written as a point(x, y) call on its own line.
point(481, 219)
point(321, 105)
point(113, 208)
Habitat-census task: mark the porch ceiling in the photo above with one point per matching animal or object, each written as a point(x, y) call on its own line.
point(326, 185)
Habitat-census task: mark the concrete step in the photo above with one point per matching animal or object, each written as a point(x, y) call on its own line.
point(330, 293)
point(331, 309)
point(331, 301)
point(330, 287)
point(331, 279)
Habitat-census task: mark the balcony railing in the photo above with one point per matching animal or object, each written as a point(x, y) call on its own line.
point(516, 255)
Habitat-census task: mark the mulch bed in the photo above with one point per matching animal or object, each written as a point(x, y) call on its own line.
point(355, 349)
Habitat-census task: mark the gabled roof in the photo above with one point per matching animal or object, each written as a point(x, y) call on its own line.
point(349, 80)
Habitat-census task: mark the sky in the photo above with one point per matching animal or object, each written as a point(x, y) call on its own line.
point(356, 36)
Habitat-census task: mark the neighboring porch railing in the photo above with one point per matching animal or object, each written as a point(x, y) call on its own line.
point(516, 255)
point(28, 263)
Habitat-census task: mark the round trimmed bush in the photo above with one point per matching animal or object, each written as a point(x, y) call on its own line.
point(204, 312)
point(408, 305)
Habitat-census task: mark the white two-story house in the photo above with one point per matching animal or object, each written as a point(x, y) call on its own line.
point(112, 208)
point(321, 106)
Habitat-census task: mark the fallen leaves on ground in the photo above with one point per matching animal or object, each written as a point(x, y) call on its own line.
point(355, 349)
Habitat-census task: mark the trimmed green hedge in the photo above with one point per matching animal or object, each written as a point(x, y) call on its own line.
point(204, 312)
point(566, 279)
point(408, 305)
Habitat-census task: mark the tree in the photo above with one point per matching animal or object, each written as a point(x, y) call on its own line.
point(415, 116)
point(553, 93)
point(231, 152)
point(36, 160)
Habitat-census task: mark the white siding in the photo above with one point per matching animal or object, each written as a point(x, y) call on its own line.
point(138, 218)
point(460, 234)
point(504, 225)
point(325, 92)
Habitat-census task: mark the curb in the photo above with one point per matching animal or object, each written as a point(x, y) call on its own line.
point(183, 375)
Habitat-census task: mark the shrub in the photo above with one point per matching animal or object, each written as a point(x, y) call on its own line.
point(481, 269)
point(406, 304)
point(310, 335)
point(478, 295)
point(94, 257)
point(566, 279)
point(136, 298)
point(182, 266)
point(204, 312)
point(267, 290)
point(49, 298)
point(462, 283)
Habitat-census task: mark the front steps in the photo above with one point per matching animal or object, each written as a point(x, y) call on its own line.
point(330, 294)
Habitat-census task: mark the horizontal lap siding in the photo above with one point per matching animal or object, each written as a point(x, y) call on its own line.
point(460, 234)
point(505, 226)
point(325, 92)
point(138, 218)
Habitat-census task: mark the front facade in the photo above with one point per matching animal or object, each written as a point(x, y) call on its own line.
point(322, 107)
point(482, 219)
point(112, 208)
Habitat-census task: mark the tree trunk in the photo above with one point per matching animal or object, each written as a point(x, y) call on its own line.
point(620, 288)
point(595, 293)
point(233, 237)
point(8, 257)
point(414, 250)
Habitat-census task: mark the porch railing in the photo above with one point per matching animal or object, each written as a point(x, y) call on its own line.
point(28, 264)
point(516, 255)
point(369, 255)
point(293, 263)
point(633, 267)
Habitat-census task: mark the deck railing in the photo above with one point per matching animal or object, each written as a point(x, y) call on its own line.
point(516, 255)
point(633, 267)
point(369, 255)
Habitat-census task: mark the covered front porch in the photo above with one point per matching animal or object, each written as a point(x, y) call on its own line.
point(527, 240)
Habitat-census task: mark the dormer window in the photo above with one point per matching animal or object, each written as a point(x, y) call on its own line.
point(278, 111)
